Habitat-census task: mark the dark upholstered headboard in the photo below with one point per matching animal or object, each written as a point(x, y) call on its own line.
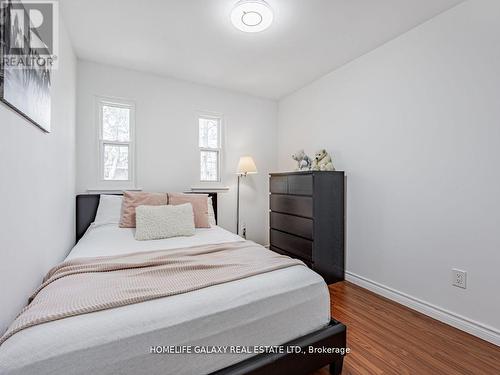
point(86, 209)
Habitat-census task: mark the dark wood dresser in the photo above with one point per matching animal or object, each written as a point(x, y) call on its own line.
point(307, 219)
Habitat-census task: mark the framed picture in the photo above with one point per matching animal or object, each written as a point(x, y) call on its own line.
point(25, 77)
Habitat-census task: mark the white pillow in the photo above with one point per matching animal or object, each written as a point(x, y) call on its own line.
point(109, 210)
point(156, 222)
point(211, 213)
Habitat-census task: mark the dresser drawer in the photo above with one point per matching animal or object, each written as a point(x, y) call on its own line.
point(300, 184)
point(299, 226)
point(278, 184)
point(295, 245)
point(294, 205)
point(283, 252)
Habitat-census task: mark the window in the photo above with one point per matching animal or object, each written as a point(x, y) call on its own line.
point(209, 128)
point(116, 143)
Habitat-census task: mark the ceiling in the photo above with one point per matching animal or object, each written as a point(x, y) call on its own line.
point(194, 40)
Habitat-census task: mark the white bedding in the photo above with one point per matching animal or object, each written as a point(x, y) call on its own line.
point(109, 239)
point(267, 309)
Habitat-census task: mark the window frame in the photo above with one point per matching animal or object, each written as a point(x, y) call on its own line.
point(101, 142)
point(220, 149)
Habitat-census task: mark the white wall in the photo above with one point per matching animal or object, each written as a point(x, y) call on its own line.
point(37, 185)
point(167, 137)
point(416, 126)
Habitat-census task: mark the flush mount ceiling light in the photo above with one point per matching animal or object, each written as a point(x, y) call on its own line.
point(252, 16)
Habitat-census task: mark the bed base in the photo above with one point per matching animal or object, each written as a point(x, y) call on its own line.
point(332, 336)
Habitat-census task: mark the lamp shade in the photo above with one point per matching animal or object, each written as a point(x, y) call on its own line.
point(246, 166)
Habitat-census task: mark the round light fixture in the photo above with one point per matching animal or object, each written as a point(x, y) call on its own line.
point(252, 16)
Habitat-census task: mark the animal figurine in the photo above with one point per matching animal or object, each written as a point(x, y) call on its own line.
point(304, 162)
point(322, 161)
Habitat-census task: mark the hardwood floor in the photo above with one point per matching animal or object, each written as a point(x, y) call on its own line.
point(388, 338)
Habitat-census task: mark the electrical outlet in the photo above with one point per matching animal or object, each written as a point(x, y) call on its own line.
point(459, 278)
point(243, 230)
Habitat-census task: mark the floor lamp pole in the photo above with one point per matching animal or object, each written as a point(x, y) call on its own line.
point(238, 206)
point(246, 165)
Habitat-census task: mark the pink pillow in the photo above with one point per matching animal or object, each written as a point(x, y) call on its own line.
point(199, 203)
point(132, 199)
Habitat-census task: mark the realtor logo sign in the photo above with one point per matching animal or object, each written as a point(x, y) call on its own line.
point(29, 33)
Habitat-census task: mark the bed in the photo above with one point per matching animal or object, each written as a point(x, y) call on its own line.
point(129, 339)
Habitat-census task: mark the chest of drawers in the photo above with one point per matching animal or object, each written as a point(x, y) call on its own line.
point(307, 219)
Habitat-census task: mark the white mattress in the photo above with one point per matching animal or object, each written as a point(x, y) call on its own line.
point(268, 309)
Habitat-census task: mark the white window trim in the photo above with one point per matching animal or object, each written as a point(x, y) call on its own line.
point(220, 149)
point(103, 184)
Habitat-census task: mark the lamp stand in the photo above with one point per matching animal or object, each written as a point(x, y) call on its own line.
point(238, 204)
point(238, 207)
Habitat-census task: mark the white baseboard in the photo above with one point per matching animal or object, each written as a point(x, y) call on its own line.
point(470, 326)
